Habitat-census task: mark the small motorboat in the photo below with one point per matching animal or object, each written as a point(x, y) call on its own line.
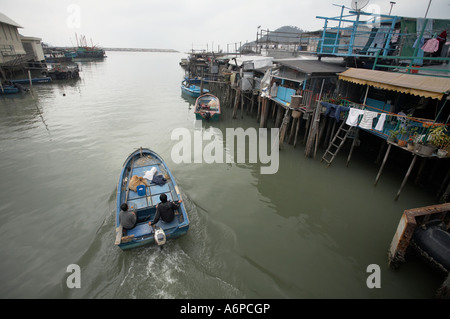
point(207, 107)
point(192, 90)
point(8, 89)
point(143, 201)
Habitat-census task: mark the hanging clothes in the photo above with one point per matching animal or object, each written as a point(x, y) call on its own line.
point(367, 119)
point(431, 45)
point(442, 38)
point(353, 116)
point(380, 123)
point(334, 110)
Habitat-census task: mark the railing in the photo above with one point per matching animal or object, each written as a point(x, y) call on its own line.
point(412, 68)
point(405, 127)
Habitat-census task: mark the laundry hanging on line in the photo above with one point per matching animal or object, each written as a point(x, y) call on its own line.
point(366, 122)
point(353, 116)
point(367, 119)
point(431, 45)
point(334, 110)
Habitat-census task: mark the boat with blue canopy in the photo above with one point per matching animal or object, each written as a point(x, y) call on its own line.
point(192, 90)
point(145, 166)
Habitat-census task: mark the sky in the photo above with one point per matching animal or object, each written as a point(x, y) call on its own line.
point(184, 25)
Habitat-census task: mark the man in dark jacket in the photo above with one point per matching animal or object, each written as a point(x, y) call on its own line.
point(165, 210)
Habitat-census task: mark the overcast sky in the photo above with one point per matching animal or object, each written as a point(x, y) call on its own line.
point(182, 24)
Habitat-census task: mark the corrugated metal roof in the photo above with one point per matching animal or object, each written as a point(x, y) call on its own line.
point(426, 86)
point(311, 66)
point(6, 20)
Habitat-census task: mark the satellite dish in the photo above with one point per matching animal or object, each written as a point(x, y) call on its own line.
point(359, 4)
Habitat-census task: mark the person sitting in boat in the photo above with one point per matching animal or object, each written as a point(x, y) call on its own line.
point(165, 210)
point(127, 219)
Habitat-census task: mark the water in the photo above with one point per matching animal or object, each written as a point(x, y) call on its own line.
point(305, 232)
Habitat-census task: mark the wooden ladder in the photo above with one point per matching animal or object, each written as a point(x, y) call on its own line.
point(341, 135)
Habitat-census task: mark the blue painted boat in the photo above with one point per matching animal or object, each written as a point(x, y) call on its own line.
point(192, 90)
point(45, 79)
point(9, 89)
point(140, 163)
point(196, 80)
point(207, 107)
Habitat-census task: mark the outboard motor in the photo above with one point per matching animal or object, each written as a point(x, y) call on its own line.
point(159, 236)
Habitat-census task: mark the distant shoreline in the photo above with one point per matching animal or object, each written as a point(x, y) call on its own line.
point(140, 50)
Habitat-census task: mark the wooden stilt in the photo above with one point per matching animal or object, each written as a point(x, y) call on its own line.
point(236, 102)
point(291, 134)
point(384, 162)
point(327, 136)
point(407, 175)
point(252, 103)
point(259, 109)
point(332, 131)
point(284, 125)
point(263, 108)
point(355, 140)
point(279, 117)
point(322, 128)
point(296, 131)
point(308, 124)
point(274, 109)
point(242, 105)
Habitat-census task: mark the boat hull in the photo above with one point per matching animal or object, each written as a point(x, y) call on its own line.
point(9, 89)
point(138, 163)
point(34, 80)
point(192, 90)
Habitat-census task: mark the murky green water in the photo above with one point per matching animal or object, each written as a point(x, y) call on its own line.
point(305, 232)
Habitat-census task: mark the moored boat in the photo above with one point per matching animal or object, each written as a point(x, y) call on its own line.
point(9, 89)
point(141, 164)
point(90, 53)
point(207, 107)
point(192, 90)
point(45, 79)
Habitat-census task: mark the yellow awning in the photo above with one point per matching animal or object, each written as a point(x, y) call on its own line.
point(426, 86)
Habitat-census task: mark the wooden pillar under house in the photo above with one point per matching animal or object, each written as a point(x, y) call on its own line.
point(252, 103)
point(264, 113)
point(299, 120)
point(307, 126)
point(292, 130)
point(279, 117)
point(236, 102)
point(322, 128)
point(284, 125)
point(242, 104)
point(259, 108)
